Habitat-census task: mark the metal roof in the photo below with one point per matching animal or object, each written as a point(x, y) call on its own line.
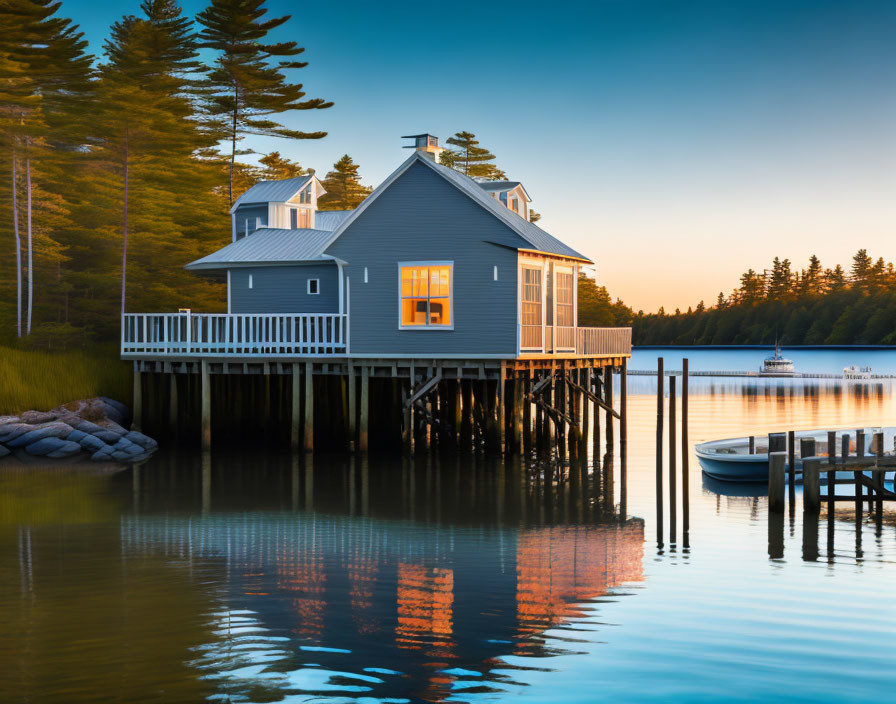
point(330, 219)
point(534, 235)
point(266, 246)
point(273, 191)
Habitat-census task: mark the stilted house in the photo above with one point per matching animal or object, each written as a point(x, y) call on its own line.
point(432, 270)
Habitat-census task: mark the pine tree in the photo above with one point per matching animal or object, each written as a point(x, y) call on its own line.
point(343, 186)
point(277, 167)
point(247, 84)
point(860, 272)
point(46, 74)
point(469, 158)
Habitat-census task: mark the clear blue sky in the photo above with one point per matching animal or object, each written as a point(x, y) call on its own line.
point(676, 143)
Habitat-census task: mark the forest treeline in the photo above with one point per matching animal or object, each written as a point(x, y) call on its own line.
point(119, 168)
point(812, 306)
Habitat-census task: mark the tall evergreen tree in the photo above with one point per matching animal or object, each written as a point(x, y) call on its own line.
point(343, 186)
point(247, 84)
point(469, 158)
point(276, 167)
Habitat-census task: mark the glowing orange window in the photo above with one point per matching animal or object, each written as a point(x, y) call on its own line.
point(425, 295)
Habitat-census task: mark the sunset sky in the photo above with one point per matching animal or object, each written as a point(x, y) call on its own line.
point(675, 143)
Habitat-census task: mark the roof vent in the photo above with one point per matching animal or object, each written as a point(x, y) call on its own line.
point(425, 144)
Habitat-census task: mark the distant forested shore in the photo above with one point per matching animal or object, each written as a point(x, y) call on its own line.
point(812, 306)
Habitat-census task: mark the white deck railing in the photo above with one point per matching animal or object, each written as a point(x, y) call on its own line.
point(549, 339)
point(289, 334)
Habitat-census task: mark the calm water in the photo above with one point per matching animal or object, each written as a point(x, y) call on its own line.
point(265, 579)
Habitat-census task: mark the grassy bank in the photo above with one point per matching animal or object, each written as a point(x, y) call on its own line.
point(43, 380)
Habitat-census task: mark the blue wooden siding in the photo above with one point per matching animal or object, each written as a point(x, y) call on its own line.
point(284, 289)
point(251, 213)
point(421, 217)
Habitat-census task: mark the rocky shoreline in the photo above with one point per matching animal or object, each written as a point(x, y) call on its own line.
point(93, 427)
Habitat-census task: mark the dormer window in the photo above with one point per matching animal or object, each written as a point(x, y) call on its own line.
point(305, 195)
point(299, 218)
point(515, 204)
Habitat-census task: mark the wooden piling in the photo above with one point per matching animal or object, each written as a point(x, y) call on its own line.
point(608, 397)
point(860, 444)
point(844, 447)
point(296, 416)
point(811, 489)
point(173, 426)
point(352, 407)
point(137, 413)
point(685, 449)
point(206, 412)
point(776, 481)
point(308, 442)
point(596, 388)
point(832, 447)
point(623, 444)
point(791, 468)
point(660, 384)
point(673, 464)
point(363, 435)
point(777, 442)
point(752, 445)
point(585, 383)
point(517, 417)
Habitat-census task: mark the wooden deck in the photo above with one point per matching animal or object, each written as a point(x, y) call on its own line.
point(301, 336)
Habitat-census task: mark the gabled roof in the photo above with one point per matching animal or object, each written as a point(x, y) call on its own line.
point(502, 186)
point(330, 219)
point(273, 191)
point(268, 245)
point(540, 240)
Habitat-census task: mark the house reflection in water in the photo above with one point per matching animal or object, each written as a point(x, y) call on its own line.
point(336, 604)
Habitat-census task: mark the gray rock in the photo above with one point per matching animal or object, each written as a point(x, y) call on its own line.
point(107, 436)
point(3, 451)
point(94, 444)
point(142, 440)
point(37, 417)
point(13, 430)
point(46, 430)
point(115, 410)
point(75, 436)
point(44, 446)
point(68, 449)
point(85, 426)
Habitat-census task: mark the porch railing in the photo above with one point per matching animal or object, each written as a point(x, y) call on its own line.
point(585, 341)
point(289, 334)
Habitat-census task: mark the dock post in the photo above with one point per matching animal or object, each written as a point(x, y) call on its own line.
point(673, 464)
point(352, 407)
point(791, 468)
point(457, 412)
point(623, 446)
point(878, 481)
point(832, 492)
point(468, 424)
point(498, 417)
point(585, 383)
point(832, 447)
point(595, 387)
point(660, 384)
point(776, 481)
point(308, 442)
point(137, 413)
point(752, 446)
point(560, 403)
point(608, 397)
point(777, 442)
point(296, 416)
point(685, 451)
point(363, 437)
point(807, 449)
point(172, 404)
point(518, 403)
point(811, 489)
point(206, 414)
point(844, 447)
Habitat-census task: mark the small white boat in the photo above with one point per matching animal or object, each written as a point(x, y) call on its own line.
point(854, 372)
point(777, 365)
point(731, 459)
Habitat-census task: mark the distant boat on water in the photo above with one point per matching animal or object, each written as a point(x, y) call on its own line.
point(854, 372)
point(777, 364)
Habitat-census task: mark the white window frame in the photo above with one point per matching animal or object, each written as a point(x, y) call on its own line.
point(250, 281)
point(316, 285)
point(450, 265)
